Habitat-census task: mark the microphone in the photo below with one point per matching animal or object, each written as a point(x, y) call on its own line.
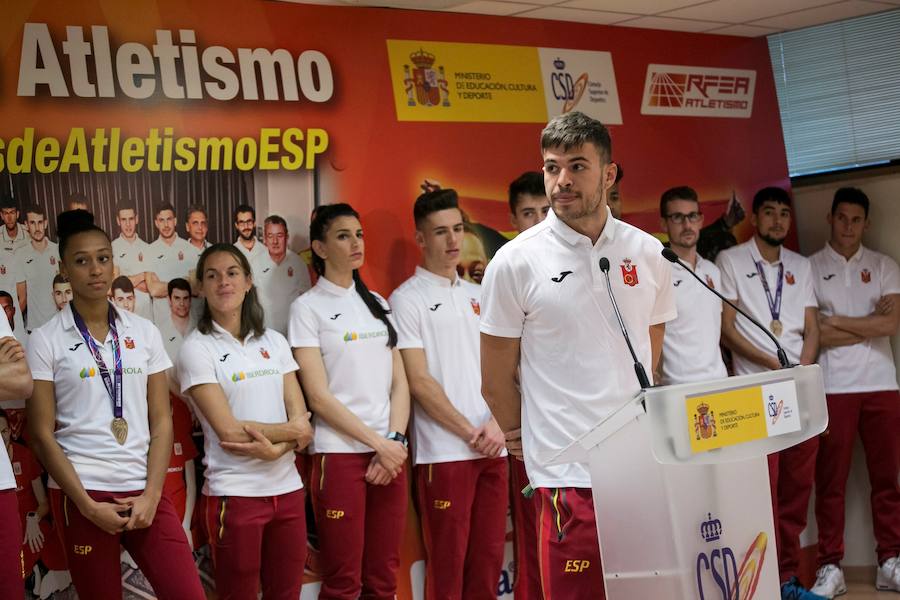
point(638, 367)
point(670, 256)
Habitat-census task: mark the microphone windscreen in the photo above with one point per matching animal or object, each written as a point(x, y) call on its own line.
point(604, 264)
point(670, 255)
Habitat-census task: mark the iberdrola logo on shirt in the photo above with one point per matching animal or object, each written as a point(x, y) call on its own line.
point(242, 375)
point(87, 372)
point(352, 336)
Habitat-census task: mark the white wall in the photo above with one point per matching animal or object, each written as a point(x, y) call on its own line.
point(812, 202)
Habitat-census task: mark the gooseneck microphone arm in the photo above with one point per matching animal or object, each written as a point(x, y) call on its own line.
point(638, 367)
point(670, 256)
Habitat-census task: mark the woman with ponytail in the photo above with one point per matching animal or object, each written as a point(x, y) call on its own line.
point(242, 380)
point(353, 376)
point(99, 422)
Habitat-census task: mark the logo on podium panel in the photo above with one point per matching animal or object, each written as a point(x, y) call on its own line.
point(705, 422)
point(718, 574)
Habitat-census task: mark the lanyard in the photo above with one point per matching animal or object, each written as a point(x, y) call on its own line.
point(113, 384)
point(774, 303)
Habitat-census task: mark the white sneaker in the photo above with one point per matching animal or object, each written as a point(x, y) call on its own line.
point(829, 582)
point(888, 577)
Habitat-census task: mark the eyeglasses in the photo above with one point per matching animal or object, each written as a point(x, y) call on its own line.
point(680, 218)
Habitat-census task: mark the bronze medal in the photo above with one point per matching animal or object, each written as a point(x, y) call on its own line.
point(119, 428)
point(776, 327)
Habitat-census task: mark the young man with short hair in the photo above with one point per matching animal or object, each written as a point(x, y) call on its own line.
point(528, 203)
point(458, 449)
point(131, 255)
point(170, 257)
point(691, 347)
point(62, 291)
point(548, 322)
point(775, 286)
point(123, 293)
point(12, 233)
point(37, 263)
point(859, 301)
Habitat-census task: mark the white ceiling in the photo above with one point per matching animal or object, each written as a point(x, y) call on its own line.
point(748, 18)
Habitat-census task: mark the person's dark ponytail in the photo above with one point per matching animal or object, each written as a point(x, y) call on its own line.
point(318, 226)
point(375, 307)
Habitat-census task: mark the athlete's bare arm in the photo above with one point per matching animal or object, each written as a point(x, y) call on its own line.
point(733, 339)
point(499, 379)
point(14, 371)
point(431, 396)
point(810, 351)
point(884, 320)
point(657, 334)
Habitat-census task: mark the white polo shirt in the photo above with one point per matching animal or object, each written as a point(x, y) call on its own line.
point(545, 287)
point(37, 270)
point(442, 318)
point(14, 243)
point(132, 258)
point(84, 410)
point(7, 478)
point(252, 377)
point(169, 261)
point(358, 361)
point(171, 337)
point(279, 286)
point(741, 284)
point(852, 288)
point(192, 254)
point(255, 256)
point(691, 347)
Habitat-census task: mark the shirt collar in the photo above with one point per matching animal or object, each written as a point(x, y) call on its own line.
point(221, 333)
point(333, 288)
point(835, 255)
point(757, 257)
point(573, 238)
point(436, 279)
point(123, 317)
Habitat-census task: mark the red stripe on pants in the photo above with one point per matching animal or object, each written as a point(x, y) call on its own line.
point(876, 416)
point(258, 540)
point(796, 472)
point(360, 526)
point(161, 551)
point(462, 506)
point(527, 585)
point(11, 572)
point(569, 549)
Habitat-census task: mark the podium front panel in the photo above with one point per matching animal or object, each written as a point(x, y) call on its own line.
point(681, 532)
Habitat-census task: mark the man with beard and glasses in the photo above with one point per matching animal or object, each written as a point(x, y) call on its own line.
point(775, 285)
point(245, 225)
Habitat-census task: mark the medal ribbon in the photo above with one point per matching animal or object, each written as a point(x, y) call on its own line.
point(774, 304)
point(113, 384)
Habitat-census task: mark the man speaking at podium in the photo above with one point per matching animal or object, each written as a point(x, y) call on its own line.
point(546, 317)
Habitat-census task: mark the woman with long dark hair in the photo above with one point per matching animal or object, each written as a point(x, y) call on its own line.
point(99, 422)
point(242, 380)
point(353, 377)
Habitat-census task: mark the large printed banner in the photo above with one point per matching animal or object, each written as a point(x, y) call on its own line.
point(164, 117)
point(436, 81)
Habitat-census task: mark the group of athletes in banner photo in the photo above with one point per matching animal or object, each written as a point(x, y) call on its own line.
point(347, 397)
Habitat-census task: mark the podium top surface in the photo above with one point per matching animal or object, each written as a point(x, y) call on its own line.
point(719, 421)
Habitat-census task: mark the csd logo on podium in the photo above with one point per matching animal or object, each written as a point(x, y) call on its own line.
point(718, 575)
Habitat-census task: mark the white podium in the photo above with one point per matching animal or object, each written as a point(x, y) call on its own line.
point(681, 484)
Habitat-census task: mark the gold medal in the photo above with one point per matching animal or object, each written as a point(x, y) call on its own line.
point(776, 327)
point(119, 428)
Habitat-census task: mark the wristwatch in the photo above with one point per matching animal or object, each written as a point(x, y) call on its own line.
point(396, 436)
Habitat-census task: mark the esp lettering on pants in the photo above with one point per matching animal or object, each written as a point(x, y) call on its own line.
point(576, 566)
point(334, 514)
point(82, 550)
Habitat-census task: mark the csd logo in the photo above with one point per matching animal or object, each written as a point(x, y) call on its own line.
point(442, 504)
point(334, 514)
point(576, 566)
point(83, 550)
